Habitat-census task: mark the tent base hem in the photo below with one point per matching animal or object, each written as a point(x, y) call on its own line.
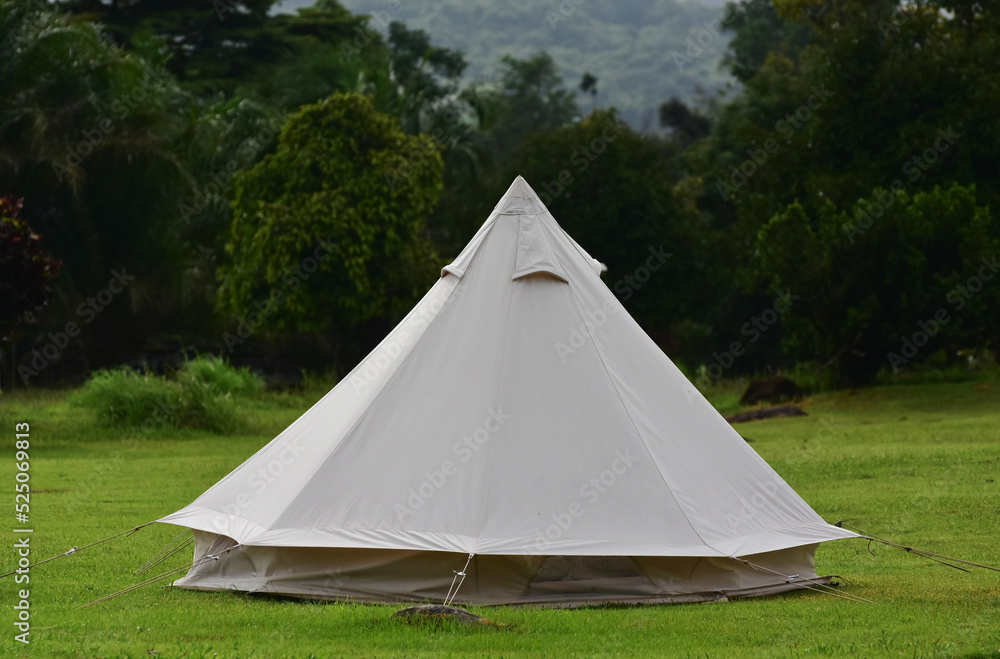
point(392, 575)
point(687, 598)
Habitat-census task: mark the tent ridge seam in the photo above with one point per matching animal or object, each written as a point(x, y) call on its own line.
point(635, 428)
point(385, 383)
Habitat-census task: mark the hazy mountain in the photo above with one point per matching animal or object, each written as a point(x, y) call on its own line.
point(642, 51)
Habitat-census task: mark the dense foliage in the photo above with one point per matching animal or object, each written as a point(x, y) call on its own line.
point(330, 228)
point(27, 271)
point(201, 395)
point(226, 176)
point(894, 279)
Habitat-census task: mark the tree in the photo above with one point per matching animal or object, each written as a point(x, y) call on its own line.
point(235, 45)
point(758, 31)
point(120, 169)
point(425, 74)
point(209, 43)
point(330, 227)
point(879, 93)
point(313, 53)
point(89, 137)
point(27, 271)
point(896, 279)
point(685, 126)
point(531, 98)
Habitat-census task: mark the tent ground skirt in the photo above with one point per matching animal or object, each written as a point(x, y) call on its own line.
point(392, 575)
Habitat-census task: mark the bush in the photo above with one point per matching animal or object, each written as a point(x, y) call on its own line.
point(126, 398)
point(216, 375)
point(202, 397)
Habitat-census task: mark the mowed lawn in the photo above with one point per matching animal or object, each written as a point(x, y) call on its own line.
point(918, 464)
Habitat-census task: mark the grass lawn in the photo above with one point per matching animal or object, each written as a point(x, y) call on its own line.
point(918, 464)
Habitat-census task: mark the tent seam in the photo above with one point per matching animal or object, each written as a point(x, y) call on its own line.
point(499, 388)
point(381, 390)
point(631, 421)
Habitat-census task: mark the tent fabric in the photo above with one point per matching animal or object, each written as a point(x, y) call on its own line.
point(517, 410)
point(390, 575)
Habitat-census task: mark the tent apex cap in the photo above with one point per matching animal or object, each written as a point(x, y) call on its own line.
point(520, 199)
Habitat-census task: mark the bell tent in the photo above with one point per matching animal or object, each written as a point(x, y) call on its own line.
point(519, 438)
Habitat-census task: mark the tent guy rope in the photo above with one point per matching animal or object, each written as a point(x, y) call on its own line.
point(938, 558)
point(817, 585)
point(168, 573)
point(74, 550)
point(180, 542)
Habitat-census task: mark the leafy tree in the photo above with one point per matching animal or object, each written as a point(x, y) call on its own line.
point(758, 31)
point(88, 134)
point(122, 169)
point(531, 98)
point(425, 74)
point(882, 93)
point(346, 194)
point(317, 51)
point(27, 270)
point(228, 45)
point(685, 126)
point(208, 42)
point(882, 280)
point(870, 92)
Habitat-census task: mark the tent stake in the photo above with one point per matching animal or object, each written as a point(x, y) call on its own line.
point(449, 598)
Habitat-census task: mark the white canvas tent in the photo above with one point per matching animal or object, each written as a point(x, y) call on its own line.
point(518, 414)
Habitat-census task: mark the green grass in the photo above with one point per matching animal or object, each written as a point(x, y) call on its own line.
point(919, 464)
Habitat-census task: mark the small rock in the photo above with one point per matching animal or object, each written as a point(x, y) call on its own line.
point(441, 612)
point(771, 390)
point(766, 413)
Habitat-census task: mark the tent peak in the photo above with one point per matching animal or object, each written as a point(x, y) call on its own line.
point(520, 199)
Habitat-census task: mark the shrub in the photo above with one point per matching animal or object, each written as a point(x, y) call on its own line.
point(202, 397)
point(216, 375)
point(125, 398)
